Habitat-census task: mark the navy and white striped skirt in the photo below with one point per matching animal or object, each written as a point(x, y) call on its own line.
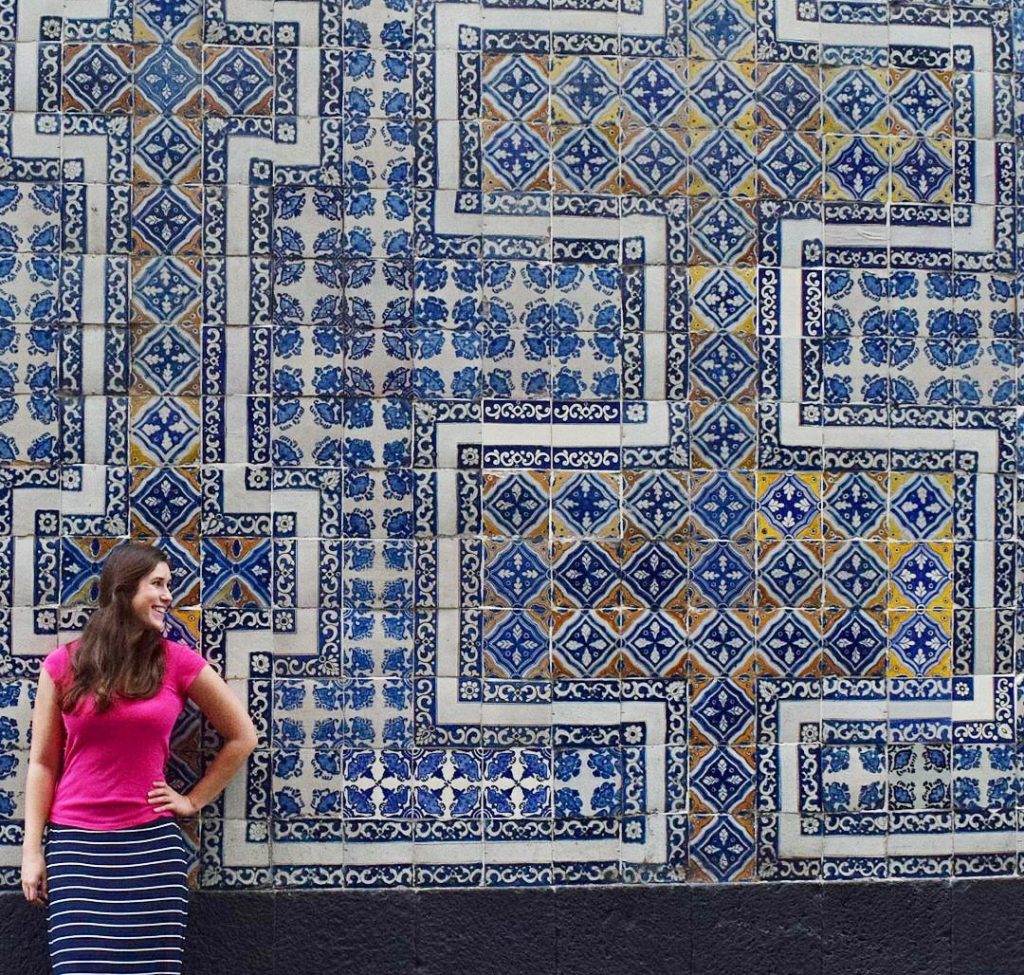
point(118, 899)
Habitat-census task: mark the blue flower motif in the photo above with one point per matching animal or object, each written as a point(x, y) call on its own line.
point(838, 389)
point(359, 242)
point(287, 381)
point(835, 760)
point(328, 452)
point(838, 284)
point(837, 352)
point(427, 383)
point(43, 449)
point(360, 204)
point(358, 731)
point(871, 796)
point(356, 34)
point(835, 797)
point(966, 793)
point(287, 764)
point(396, 732)
point(42, 407)
point(328, 381)
point(288, 696)
point(466, 383)
point(285, 452)
point(288, 242)
point(567, 765)
point(568, 383)
point(395, 34)
point(568, 803)
point(605, 763)
point(288, 802)
point(871, 759)
point(8, 764)
point(606, 799)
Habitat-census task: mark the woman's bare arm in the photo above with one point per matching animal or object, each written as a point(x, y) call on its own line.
point(226, 713)
point(44, 762)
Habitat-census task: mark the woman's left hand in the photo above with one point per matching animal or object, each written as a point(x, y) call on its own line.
point(164, 799)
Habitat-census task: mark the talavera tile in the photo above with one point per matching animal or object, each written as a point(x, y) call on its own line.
point(584, 438)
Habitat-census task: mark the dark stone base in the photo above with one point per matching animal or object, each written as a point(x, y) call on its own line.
point(928, 928)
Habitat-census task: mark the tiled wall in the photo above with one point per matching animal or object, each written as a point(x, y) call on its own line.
point(585, 433)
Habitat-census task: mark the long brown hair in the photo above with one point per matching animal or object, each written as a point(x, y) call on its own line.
point(118, 653)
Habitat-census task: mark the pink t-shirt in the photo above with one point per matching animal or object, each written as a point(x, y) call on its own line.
point(112, 759)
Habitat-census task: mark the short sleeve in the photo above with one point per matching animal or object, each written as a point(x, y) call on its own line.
point(185, 664)
point(56, 663)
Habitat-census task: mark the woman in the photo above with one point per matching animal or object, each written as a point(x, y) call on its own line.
point(114, 870)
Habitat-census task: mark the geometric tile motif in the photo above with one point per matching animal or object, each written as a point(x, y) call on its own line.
point(587, 505)
point(722, 711)
point(656, 642)
point(166, 429)
point(789, 505)
point(721, 575)
point(167, 148)
point(723, 849)
point(166, 502)
point(96, 77)
point(655, 574)
point(168, 361)
point(723, 436)
point(723, 365)
point(720, 642)
point(722, 779)
point(723, 505)
point(857, 643)
point(789, 642)
point(722, 28)
point(516, 643)
point(857, 573)
point(516, 574)
point(855, 505)
point(723, 230)
point(586, 646)
point(237, 79)
point(166, 220)
point(788, 573)
point(789, 97)
point(856, 98)
point(168, 17)
point(657, 504)
point(586, 574)
point(723, 298)
point(921, 507)
point(518, 505)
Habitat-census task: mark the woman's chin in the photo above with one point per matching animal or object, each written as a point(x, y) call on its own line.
point(155, 622)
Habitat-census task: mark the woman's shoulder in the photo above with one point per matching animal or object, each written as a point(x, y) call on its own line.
point(181, 653)
point(58, 659)
point(173, 647)
point(183, 663)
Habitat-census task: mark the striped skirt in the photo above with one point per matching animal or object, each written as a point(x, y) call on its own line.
point(118, 899)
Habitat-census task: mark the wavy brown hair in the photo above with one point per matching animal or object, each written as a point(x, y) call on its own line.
point(117, 652)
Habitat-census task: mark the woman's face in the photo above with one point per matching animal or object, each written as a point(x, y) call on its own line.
point(153, 596)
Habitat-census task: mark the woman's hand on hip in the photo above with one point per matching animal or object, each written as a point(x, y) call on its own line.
point(164, 799)
point(33, 878)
